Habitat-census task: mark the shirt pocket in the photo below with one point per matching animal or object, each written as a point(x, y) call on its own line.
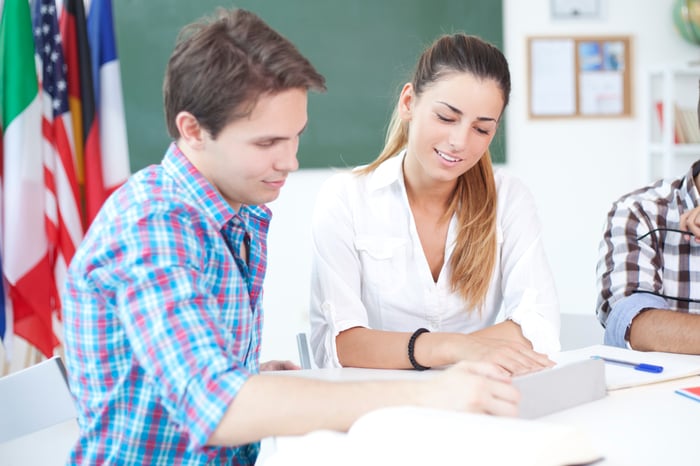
point(383, 260)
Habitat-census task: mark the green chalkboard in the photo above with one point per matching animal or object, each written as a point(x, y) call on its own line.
point(366, 49)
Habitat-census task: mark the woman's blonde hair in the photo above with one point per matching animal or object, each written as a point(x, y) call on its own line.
point(474, 198)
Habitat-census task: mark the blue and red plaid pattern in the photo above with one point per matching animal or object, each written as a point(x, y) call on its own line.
point(163, 319)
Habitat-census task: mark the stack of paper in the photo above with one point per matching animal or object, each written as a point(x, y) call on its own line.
point(675, 366)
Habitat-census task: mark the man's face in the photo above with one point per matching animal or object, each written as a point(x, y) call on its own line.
point(250, 159)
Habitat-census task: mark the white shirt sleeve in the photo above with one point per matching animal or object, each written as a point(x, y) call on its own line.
point(335, 273)
point(529, 293)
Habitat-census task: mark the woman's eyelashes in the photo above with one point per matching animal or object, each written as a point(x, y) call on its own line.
point(444, 118)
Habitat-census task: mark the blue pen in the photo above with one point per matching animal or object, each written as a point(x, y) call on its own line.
point(637, 366)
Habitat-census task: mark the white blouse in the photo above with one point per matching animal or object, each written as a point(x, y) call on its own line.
point(369, 269)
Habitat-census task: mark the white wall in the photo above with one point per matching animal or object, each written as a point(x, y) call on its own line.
point(575, 168)
point(286, 299)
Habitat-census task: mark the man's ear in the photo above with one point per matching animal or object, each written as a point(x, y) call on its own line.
point(406, 101)
point(191, 133)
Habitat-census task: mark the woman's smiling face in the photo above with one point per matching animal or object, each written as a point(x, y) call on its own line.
point(451, 124)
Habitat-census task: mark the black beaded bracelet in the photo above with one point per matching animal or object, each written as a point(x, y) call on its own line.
point(411, 348)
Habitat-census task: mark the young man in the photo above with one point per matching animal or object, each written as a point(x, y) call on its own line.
point(162, 305)
point(649, 266)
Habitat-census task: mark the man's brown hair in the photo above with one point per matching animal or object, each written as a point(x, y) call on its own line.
point(223, 64)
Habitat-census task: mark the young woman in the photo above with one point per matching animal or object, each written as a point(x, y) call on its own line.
point(416, 253)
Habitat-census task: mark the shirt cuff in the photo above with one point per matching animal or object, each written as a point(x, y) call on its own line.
point(542, 333)
point(206, 401)
point(624, 311)
point(324, 329)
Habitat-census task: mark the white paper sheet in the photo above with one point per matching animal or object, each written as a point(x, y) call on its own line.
point(675, 366)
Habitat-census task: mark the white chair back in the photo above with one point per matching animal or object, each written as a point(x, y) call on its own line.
point(38, 419)
point(35, 398)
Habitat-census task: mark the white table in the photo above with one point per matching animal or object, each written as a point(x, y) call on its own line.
point(648, 425)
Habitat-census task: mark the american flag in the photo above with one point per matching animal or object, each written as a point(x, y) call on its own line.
point(62, 213)
point(48, 46)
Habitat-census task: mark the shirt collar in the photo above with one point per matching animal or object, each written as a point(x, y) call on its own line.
point(201, 191)
point(389, 172)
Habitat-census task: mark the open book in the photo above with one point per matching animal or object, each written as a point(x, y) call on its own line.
point(675, 366)
point(419, 436)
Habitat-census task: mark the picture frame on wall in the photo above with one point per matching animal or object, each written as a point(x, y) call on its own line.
point(579, 77)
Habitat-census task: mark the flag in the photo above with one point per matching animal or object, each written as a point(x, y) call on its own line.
point(26, 263)
point(107, 166)
point(4, 329)
point(63, 219)
point(5, 312)
point(81, 98)
point(96, 101)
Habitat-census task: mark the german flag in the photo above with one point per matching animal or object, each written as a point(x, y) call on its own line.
point(81, 99)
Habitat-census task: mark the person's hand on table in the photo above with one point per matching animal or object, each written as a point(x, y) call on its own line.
point(515, 357)
point(475, 387)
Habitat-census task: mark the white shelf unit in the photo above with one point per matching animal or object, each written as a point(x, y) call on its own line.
point(672, 86)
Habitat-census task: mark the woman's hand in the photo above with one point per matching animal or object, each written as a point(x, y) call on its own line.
point(515, 357)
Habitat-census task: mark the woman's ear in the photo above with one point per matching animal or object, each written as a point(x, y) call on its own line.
point(191, 133)
point(406, 102)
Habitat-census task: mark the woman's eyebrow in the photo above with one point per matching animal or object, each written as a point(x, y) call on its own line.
point(451, 107)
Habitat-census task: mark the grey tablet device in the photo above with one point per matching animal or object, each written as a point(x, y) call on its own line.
point(560, 387)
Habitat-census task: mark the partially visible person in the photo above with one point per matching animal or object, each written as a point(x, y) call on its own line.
point(162, 303)
point(649, 267)
point(415, 254)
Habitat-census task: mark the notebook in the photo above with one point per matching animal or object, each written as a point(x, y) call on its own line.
point(675, 366)
point(560, 387)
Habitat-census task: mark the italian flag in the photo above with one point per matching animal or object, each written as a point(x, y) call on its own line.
point(25, 259)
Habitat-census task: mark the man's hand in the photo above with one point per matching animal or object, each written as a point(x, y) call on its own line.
point(690, 221)
point(474, 387)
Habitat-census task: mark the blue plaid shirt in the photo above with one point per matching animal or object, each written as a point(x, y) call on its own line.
point(163, 319)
